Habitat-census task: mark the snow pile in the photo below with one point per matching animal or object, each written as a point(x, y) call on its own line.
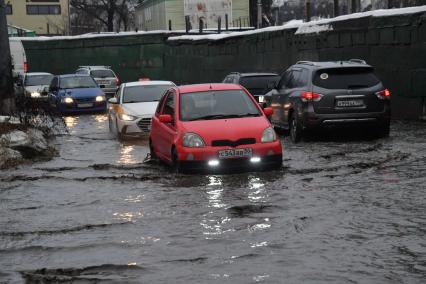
point(306, 27)
point(311, 29)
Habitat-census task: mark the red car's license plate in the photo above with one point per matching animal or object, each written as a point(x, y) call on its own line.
point(235, 153)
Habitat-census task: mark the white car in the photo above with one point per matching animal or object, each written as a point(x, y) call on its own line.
point(35, 84)
point(131, 109)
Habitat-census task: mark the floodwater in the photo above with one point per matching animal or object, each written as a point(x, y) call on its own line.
point(339, 211)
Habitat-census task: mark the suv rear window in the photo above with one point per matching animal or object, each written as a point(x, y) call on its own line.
point(258, 82)
point(345, 78)
point(102, 73)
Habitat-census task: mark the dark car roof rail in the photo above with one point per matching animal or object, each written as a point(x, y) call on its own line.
point(360, 61)
point(306, 63)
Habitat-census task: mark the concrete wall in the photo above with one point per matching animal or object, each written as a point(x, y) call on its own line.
point(395, 45)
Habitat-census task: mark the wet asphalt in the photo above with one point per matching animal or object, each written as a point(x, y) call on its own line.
point(341, 210)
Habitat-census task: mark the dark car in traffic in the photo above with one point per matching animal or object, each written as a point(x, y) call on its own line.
point(75, 93)
point(318, 95)
point(258, 84)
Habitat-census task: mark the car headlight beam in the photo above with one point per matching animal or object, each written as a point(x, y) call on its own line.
point(35, 95)
point(68, 100)
point(100, 99)
point(268, 135)
point(126, 117)
point(192, 140)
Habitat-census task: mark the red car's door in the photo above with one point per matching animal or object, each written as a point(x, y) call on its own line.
point(167, 131)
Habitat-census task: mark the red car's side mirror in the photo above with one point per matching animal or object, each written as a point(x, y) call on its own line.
point(165, 118)
point(268, 111)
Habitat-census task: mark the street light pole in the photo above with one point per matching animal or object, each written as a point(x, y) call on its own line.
point(7, 102)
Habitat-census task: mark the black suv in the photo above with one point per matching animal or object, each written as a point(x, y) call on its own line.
point(258, 84)
point(312, 95)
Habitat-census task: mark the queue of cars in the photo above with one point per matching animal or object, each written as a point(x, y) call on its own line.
point(224, 125)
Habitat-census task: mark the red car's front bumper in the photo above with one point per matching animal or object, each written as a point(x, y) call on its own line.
point(269, 155)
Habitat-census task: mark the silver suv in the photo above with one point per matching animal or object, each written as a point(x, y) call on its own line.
point(107, 80)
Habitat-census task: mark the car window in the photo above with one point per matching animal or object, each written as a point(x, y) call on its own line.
point(345, 78)
point(146, 93)
point(283, 81)
point(216, 105)
point(102, 73)
point(169, 106)
point(54, 83)
point(81, 71)
point(38, 80)
point(258, 82)
point(160, 104)
point(77, 82)
point(293, 79)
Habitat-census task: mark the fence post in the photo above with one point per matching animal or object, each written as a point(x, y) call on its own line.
point(239, 22)
point(170, 25)
point(200, 25)
point(219, 25)
point(308, 10)
point(187, 24)
point(226, 22)
point(336, 8)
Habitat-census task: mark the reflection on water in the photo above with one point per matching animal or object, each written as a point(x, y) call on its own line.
point(127, 155)
point(71, 121)
point(101, 119)
point(127, 216)
point(258, 192)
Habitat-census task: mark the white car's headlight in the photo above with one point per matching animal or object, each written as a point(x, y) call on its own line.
point(68, 100)
point(126, 117)
point(268, 135)
point(100, 98)
point(35, 94)
point(192, 140)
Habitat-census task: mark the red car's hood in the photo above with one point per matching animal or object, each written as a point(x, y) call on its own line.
point(228, 129)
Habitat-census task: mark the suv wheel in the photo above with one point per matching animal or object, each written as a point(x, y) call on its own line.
point(295, 129)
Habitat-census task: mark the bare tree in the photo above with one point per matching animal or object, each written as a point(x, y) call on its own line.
point(105, 11)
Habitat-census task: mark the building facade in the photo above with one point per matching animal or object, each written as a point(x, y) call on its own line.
point(48, 17)
point(156, 14)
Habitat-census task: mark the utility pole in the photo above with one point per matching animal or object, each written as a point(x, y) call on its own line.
point(336, 8)
point(259, 14)
point(7, 100)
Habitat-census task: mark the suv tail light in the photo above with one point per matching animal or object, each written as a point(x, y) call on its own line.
point(310, 96)
point(25, 67)
point(385, 94)
point(117, 82)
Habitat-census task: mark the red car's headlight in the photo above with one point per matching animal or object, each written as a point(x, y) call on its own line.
point(192, 140)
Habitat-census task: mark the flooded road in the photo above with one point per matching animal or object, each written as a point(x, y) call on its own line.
point(349, 211)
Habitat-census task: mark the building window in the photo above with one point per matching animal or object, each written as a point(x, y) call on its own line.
point(9, 10)
point(43, 9)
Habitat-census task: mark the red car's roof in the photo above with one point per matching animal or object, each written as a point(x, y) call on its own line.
point(208, 87)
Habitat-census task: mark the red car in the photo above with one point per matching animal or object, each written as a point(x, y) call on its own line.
point(213, 126)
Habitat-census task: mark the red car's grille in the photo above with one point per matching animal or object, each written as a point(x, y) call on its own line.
point(242, 141)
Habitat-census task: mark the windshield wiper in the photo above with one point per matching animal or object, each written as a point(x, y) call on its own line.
point(223, 116)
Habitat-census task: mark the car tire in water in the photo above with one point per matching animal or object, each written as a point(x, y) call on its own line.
point(384, 130)
point(152, 154)
point(177, 168)
point(296, 132)
point(117, 132)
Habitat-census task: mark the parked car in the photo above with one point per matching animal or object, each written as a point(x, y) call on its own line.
point(76, 93)
point(316, 95)
point(258, 84)
point(215, 127)
point(107, 80)
point(131, 109)
point(36, 85)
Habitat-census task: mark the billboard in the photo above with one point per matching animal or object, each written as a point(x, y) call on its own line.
point(208, 10)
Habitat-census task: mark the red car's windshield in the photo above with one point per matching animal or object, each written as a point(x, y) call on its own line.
point(216, 105)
